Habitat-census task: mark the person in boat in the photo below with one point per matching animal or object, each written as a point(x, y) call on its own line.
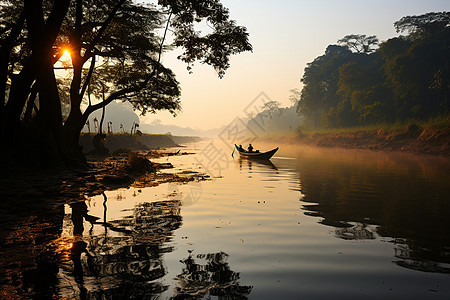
point(241, 149)
point(250, 148)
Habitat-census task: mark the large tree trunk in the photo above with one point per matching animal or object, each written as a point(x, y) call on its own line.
point(5, 52)
point(41, 143)
point(73, 125)
point(42, 36)
point(71, 135)
point(50, 117)
point(76, 120)
point(11, 133)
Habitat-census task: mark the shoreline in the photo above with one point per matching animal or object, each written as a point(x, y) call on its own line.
point(412, 139)
point(144, 141)
point(115, 171)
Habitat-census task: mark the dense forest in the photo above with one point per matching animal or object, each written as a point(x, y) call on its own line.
point(360, 81)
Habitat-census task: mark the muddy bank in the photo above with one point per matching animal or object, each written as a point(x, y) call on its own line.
point(412, 139)
point(119, 170)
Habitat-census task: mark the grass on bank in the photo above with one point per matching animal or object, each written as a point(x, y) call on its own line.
point(436, 123)
point(127, 134)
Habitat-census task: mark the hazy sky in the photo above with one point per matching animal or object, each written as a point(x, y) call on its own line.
point(286, 35)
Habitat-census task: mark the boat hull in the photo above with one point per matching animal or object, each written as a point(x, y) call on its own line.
point(257, 155)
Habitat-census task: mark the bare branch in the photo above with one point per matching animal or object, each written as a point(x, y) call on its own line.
point(88, 77)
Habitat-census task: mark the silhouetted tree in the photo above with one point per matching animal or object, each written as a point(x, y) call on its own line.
point(110, 130)
point(295, 95)
point(12, 22)
point(359, 43)
point(115, 43)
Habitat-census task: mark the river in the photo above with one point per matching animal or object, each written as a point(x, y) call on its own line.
point(311, 223)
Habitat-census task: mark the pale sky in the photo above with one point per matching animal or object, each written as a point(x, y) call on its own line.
point(286, 35)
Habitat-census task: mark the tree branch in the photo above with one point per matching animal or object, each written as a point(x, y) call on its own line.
point(116, 95)
point(15, 31)
point(88, 77)
point(112, 53)
point(164, 37)
point(78, 15)
point(105, 25)
point(56, 17)
point(57, 56)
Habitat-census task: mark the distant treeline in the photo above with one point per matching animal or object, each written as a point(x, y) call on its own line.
point(356, 83)
point(274, 119)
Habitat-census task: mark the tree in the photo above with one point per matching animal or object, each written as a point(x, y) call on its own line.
point(112, 43)
point(419, 26)
point(295, 95)
point(12, 18)
point(361, 84)
point(128, 51)
point(416, 65)
point(406, 77)
point(271, 106)
point(359, 43)
point(36, 72)
point(320, 81)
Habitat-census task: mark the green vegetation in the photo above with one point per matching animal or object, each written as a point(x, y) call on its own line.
point(407, 77)
point(435, 123)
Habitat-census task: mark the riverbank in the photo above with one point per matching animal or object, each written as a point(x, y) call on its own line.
point(144, 141)
point(412, 139)
point(129, 163)
point(121, 169)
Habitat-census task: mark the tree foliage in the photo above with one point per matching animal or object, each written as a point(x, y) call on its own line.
point(214, 48)
point(406, 77)
point(320, 80)
point(359, 43)
point(115, 49)
point(423, 24)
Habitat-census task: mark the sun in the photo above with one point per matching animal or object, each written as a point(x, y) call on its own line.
point(65, 56)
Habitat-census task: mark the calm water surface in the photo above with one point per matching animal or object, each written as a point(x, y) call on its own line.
point(311, 224)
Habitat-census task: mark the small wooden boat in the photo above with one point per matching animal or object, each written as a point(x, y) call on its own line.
point(256, 155)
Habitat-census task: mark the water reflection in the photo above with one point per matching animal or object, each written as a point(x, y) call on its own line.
point(28, 249)
point(79, 214)
point(399, 197)
point(357, 231)
point(126, 263)
point(212, 278)
point(289, 228)
point(76, 255)
point(249, 163)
